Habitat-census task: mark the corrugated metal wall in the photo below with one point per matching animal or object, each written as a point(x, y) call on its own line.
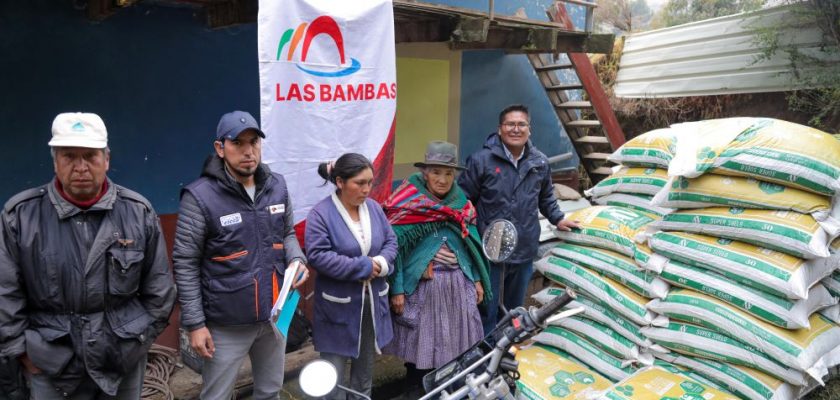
point(711, 57)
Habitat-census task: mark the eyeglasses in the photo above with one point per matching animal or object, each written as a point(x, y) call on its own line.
point(512, 125)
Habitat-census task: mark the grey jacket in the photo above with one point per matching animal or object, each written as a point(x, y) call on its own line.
point(82, 291)
point(192, 233)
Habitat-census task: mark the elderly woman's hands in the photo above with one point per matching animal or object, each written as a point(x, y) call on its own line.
point(398, 303)
point(479, 291)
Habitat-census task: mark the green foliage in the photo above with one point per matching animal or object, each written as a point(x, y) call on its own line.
point(677, 12)
point(619, 16)
point(814, 67)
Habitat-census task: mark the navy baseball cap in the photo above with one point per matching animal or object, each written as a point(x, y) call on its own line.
point(234, 123)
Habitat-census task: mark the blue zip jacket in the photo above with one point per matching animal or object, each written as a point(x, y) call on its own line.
point(501, 190)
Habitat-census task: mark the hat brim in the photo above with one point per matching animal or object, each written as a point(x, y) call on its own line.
point(89, 144)
point(432, 164)
point(231, 136)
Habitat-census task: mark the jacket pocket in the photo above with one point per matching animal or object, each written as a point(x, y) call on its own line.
point(124, 270)
point(131, 326)
point(335, 299)
point(384, 292)
point(48, 349)
point(231, 299)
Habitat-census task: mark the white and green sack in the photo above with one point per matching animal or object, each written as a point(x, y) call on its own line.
point(650, 149)
point(636, 202)
point(615, 266)
point(800, 349)
point(647, 181)
point(596, 311)
point(760, 268)
point(786, 231)
point(772, 150)
point(696, 341)
point(712, 190)
point(657, 383)
point(605, 338)
point(779, 311)
point(607, 227)
point(612, 294)
point(747, 383)
point(581, 349)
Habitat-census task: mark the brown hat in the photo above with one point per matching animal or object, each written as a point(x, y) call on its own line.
point(440, 154)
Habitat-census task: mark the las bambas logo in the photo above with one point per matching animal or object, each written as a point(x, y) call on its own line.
point(302, 38)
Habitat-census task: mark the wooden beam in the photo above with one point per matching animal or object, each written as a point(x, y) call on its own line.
point(518, 42)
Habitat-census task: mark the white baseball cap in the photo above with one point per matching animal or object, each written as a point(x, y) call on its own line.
point(79, 130)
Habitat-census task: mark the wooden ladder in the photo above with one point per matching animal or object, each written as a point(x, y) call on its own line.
point(594, 138)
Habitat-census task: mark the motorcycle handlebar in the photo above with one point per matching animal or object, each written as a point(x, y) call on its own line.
point(542, 313)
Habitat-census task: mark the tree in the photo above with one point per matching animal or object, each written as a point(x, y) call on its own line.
point(678, 12)
point(621, 16)
point(815, 67)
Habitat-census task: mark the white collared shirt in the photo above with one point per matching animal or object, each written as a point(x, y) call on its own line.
point(510, 156)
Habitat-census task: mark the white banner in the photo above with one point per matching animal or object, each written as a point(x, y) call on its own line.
point(328, 86)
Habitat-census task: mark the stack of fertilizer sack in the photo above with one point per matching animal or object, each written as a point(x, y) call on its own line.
point(746, 241)
point(600, 263)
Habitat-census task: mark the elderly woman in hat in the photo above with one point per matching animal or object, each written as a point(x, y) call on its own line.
point(440, 273)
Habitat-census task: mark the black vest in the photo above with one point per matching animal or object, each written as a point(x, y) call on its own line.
point(243, 258)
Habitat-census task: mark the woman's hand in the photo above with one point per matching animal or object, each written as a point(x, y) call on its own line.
point(479, 291)
point(429, 273)
point(377, 269)
point(398, 303)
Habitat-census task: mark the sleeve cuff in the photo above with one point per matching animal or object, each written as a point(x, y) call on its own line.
point(384, 263)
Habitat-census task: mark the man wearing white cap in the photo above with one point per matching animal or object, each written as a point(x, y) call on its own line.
point(85, 284)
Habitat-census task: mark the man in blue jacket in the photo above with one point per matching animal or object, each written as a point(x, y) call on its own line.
point(510, 179)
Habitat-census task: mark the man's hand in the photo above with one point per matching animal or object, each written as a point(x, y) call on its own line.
point(398, 303)
point(303, 275)
point(27, 363)
point(479, 291)
point(567, 225)
point(377, 269)
point(202, 342)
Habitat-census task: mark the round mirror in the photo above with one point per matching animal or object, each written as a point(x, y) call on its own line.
point(318, 378)
point(499, 240)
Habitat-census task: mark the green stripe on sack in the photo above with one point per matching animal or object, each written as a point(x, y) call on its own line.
point(645, 151)
point(599, 255)
point(588, 347)
point(736, 223)
point(726, 201)
point(526, 392)
point(615, 396)
point(746, 261)
point(694, 351)
point(744, 305)
point(629, 326)
point(711, 267)
point(772, 339)
point(631, 180)
point(604, 330)
point(605, 287)
point(597, 233)
point(777, 176)
point(785, 157)
point(618, 203)
point(746, 379)
point(579, 254)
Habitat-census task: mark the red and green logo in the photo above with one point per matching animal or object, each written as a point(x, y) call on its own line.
point(305, 33)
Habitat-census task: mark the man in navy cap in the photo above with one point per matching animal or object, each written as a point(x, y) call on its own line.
point(234, 239)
